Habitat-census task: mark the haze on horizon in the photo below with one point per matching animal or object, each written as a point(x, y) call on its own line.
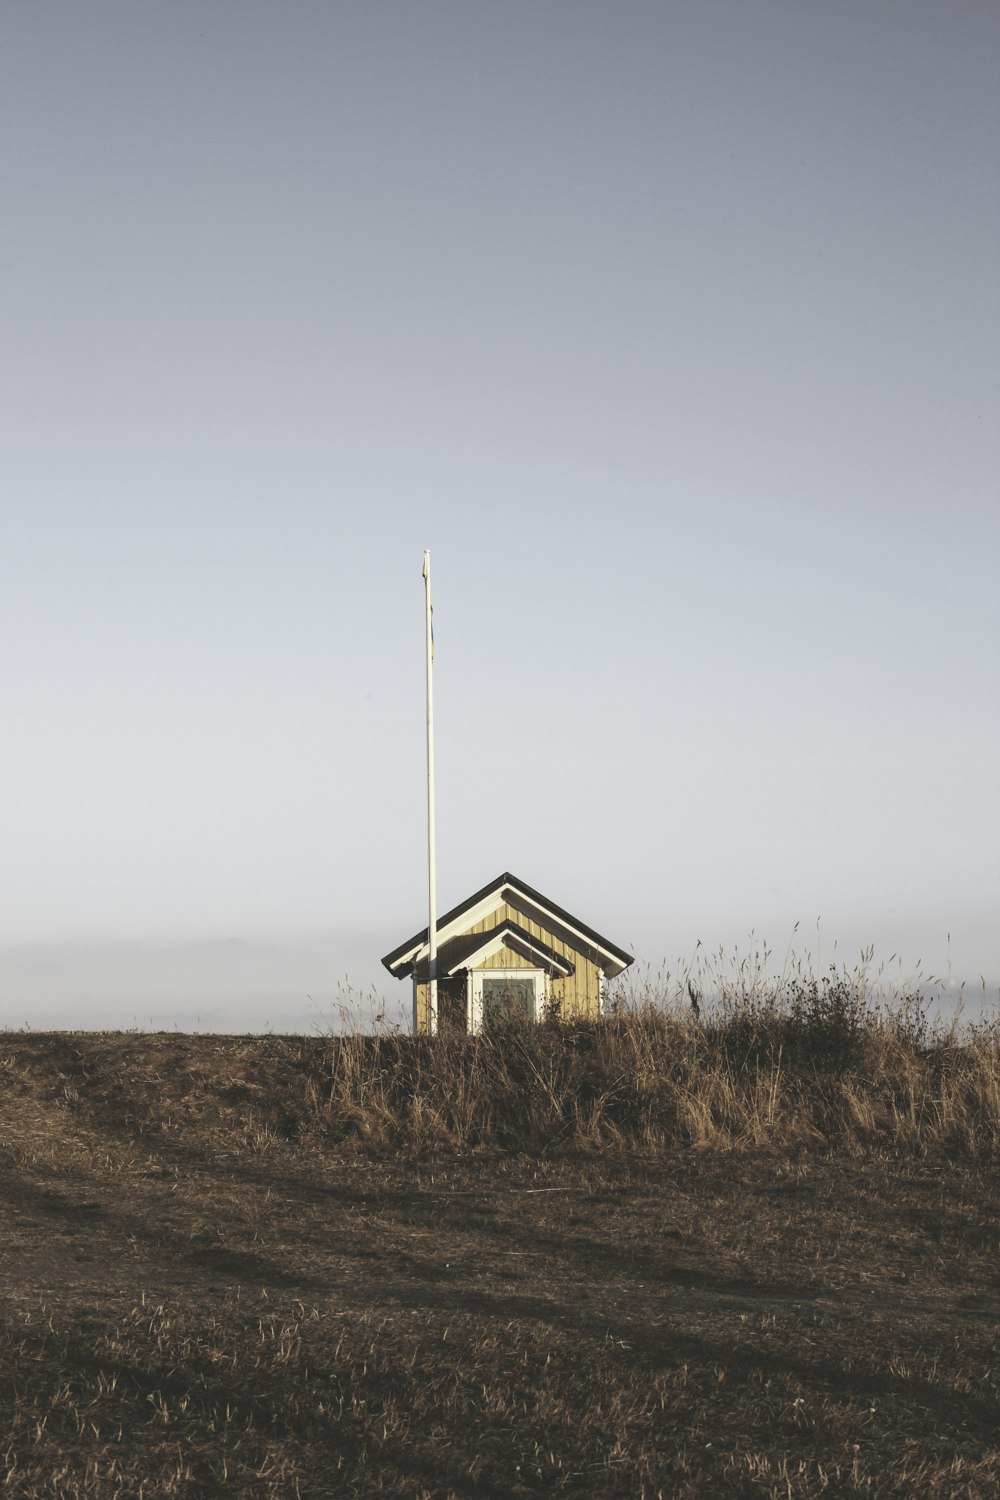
point(673, 331)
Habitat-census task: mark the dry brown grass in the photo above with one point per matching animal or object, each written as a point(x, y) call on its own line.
point(464, 1267)
point(797, 1064)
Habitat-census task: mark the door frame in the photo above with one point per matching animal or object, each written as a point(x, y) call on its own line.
point(475, 994)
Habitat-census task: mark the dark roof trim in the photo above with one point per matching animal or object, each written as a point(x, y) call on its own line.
point(530, 948)
point(571, 935)
point(419, 938)
point(465, 950)
point(504, 887)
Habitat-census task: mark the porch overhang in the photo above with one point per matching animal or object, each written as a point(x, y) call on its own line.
point(474, 948)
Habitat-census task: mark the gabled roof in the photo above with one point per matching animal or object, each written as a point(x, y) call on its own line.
point(473, 947)
point(528, 903)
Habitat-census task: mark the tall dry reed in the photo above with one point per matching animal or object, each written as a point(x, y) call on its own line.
point(786, 1062)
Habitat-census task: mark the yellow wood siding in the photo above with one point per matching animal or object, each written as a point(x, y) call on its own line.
point(506, 958)
point(423, 1009)
point(577, 996)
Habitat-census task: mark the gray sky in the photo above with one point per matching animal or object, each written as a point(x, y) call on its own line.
point(672, 329)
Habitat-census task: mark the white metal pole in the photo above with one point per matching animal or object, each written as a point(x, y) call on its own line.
point(432, 998)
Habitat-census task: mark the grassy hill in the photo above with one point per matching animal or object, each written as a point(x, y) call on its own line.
point(648, 1257)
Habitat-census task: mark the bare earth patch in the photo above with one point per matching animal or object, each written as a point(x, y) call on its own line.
point(195, 1301)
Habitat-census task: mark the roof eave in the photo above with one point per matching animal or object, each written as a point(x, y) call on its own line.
point(608, 957)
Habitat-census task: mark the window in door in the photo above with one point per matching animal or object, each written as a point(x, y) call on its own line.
point(506, 996)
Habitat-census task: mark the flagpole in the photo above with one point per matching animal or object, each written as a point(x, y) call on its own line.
point(432, 998)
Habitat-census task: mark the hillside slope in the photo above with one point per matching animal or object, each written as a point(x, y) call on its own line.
point(209, 1285)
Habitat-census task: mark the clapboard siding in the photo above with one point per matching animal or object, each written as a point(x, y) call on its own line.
point(563, 941)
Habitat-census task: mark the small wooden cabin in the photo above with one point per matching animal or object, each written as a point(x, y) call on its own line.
point(508, 948)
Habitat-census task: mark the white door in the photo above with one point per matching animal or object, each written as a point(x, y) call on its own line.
point(496, 993)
